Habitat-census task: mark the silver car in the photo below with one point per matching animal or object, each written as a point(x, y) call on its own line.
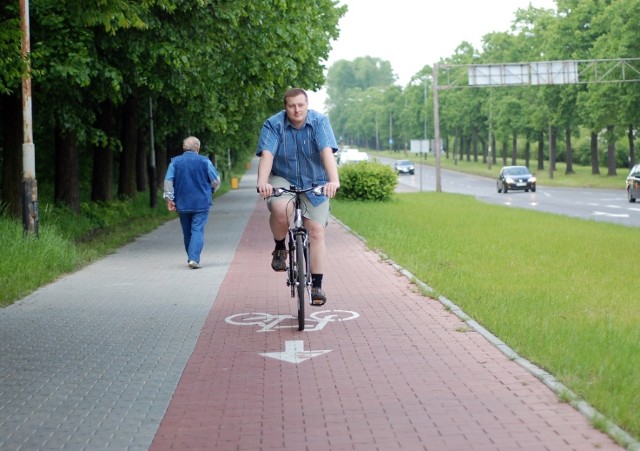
point(633, 183)
point(404, 167)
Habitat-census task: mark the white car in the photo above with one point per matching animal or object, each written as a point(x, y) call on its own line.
point(351, 156)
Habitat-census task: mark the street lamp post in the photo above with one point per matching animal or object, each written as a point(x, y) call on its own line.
point(377, 133)
point(390, 131)
point(425, 107)
point(30, 218)
point(424, 79)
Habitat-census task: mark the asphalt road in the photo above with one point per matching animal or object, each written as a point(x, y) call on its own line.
point(592, 204)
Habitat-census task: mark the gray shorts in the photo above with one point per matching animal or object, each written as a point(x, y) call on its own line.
point(318, 214)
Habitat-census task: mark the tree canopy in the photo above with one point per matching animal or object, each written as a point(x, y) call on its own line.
point(212, 68)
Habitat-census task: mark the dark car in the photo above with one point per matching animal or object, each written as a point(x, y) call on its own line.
point(404, 167)
point(515, 178)
point(633, 183)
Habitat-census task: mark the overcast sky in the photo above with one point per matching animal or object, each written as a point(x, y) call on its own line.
point(412, 33)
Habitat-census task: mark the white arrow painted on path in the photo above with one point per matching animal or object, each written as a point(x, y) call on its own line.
point(294, 352)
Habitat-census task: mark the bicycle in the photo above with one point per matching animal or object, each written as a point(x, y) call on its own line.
point(299, 270)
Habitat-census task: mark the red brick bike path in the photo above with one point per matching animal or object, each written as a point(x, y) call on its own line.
point(405, 374)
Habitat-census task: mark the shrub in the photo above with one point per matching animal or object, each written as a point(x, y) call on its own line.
point(367, 180)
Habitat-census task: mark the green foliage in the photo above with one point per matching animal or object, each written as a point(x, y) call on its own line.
point(367, 180)
point(104, 214)
point(529, 287)
point(10, 53)
point(27, 262)
point(215, 69)
point(362, 73)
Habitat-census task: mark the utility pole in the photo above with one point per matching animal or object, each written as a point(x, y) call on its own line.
point(391, 131)
point(153, 175)
point(30, 217)
point(436, 127)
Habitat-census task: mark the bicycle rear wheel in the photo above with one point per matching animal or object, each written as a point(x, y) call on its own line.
point(301, 280)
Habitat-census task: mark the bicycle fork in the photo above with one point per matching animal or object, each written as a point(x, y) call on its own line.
point(298, 230)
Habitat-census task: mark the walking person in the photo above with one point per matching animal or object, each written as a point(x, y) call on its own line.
point(188, 186)
point(296, 147)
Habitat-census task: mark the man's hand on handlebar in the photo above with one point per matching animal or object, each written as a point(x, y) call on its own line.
point(265, 190)
point(331, 188)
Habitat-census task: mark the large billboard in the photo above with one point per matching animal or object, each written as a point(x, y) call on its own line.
point(524, 74)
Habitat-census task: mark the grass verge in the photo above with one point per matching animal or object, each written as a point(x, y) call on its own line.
point(556, 289)
point(68, 241)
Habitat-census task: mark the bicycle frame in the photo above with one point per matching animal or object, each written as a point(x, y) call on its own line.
point(299, 270)
point(295, 231)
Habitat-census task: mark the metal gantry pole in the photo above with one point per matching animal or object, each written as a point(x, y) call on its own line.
point(424, 79)
point(436, 127)
point(30, 217)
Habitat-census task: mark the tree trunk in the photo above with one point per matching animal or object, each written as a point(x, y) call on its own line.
point(505, 146)
point(493, 149)
point(67, 184)
point(127, 179)
point(485, 152)
point(553, 148)
point(102, 180)
point(162, 164)
point(595, 163)
point(474, 144)
point(467, 148)
point(527, 150)
point(463, 146)
point(446, 147)
point(541, 152)
point(141, 161)
point(514, 148)
point(569, 151)
point(611, 152)
point(632, 147)
point(12, 172)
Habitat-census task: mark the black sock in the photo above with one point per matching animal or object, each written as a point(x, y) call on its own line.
point(316, 280)
point(280, 244)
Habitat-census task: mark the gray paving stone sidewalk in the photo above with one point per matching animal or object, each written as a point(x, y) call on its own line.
point(92, 360)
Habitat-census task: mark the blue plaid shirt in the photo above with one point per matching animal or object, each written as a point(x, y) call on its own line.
point(296, 153)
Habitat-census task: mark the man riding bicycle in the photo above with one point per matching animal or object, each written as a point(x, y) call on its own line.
point(296, 147)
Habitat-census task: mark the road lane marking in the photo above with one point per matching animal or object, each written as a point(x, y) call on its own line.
point(610, 215)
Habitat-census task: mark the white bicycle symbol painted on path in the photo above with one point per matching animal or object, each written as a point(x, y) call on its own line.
point(269, 323)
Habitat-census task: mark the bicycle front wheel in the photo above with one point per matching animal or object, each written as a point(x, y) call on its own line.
point(301, 280)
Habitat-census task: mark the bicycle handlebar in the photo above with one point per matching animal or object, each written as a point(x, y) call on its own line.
point(278, 191)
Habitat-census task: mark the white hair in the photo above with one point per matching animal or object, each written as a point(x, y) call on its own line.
point(191, 143)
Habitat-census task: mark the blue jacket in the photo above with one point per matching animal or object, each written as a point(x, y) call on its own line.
point(193, 177)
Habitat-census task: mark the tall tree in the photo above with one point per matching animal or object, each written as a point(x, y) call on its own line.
point(621, 39)
point(11, 68)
